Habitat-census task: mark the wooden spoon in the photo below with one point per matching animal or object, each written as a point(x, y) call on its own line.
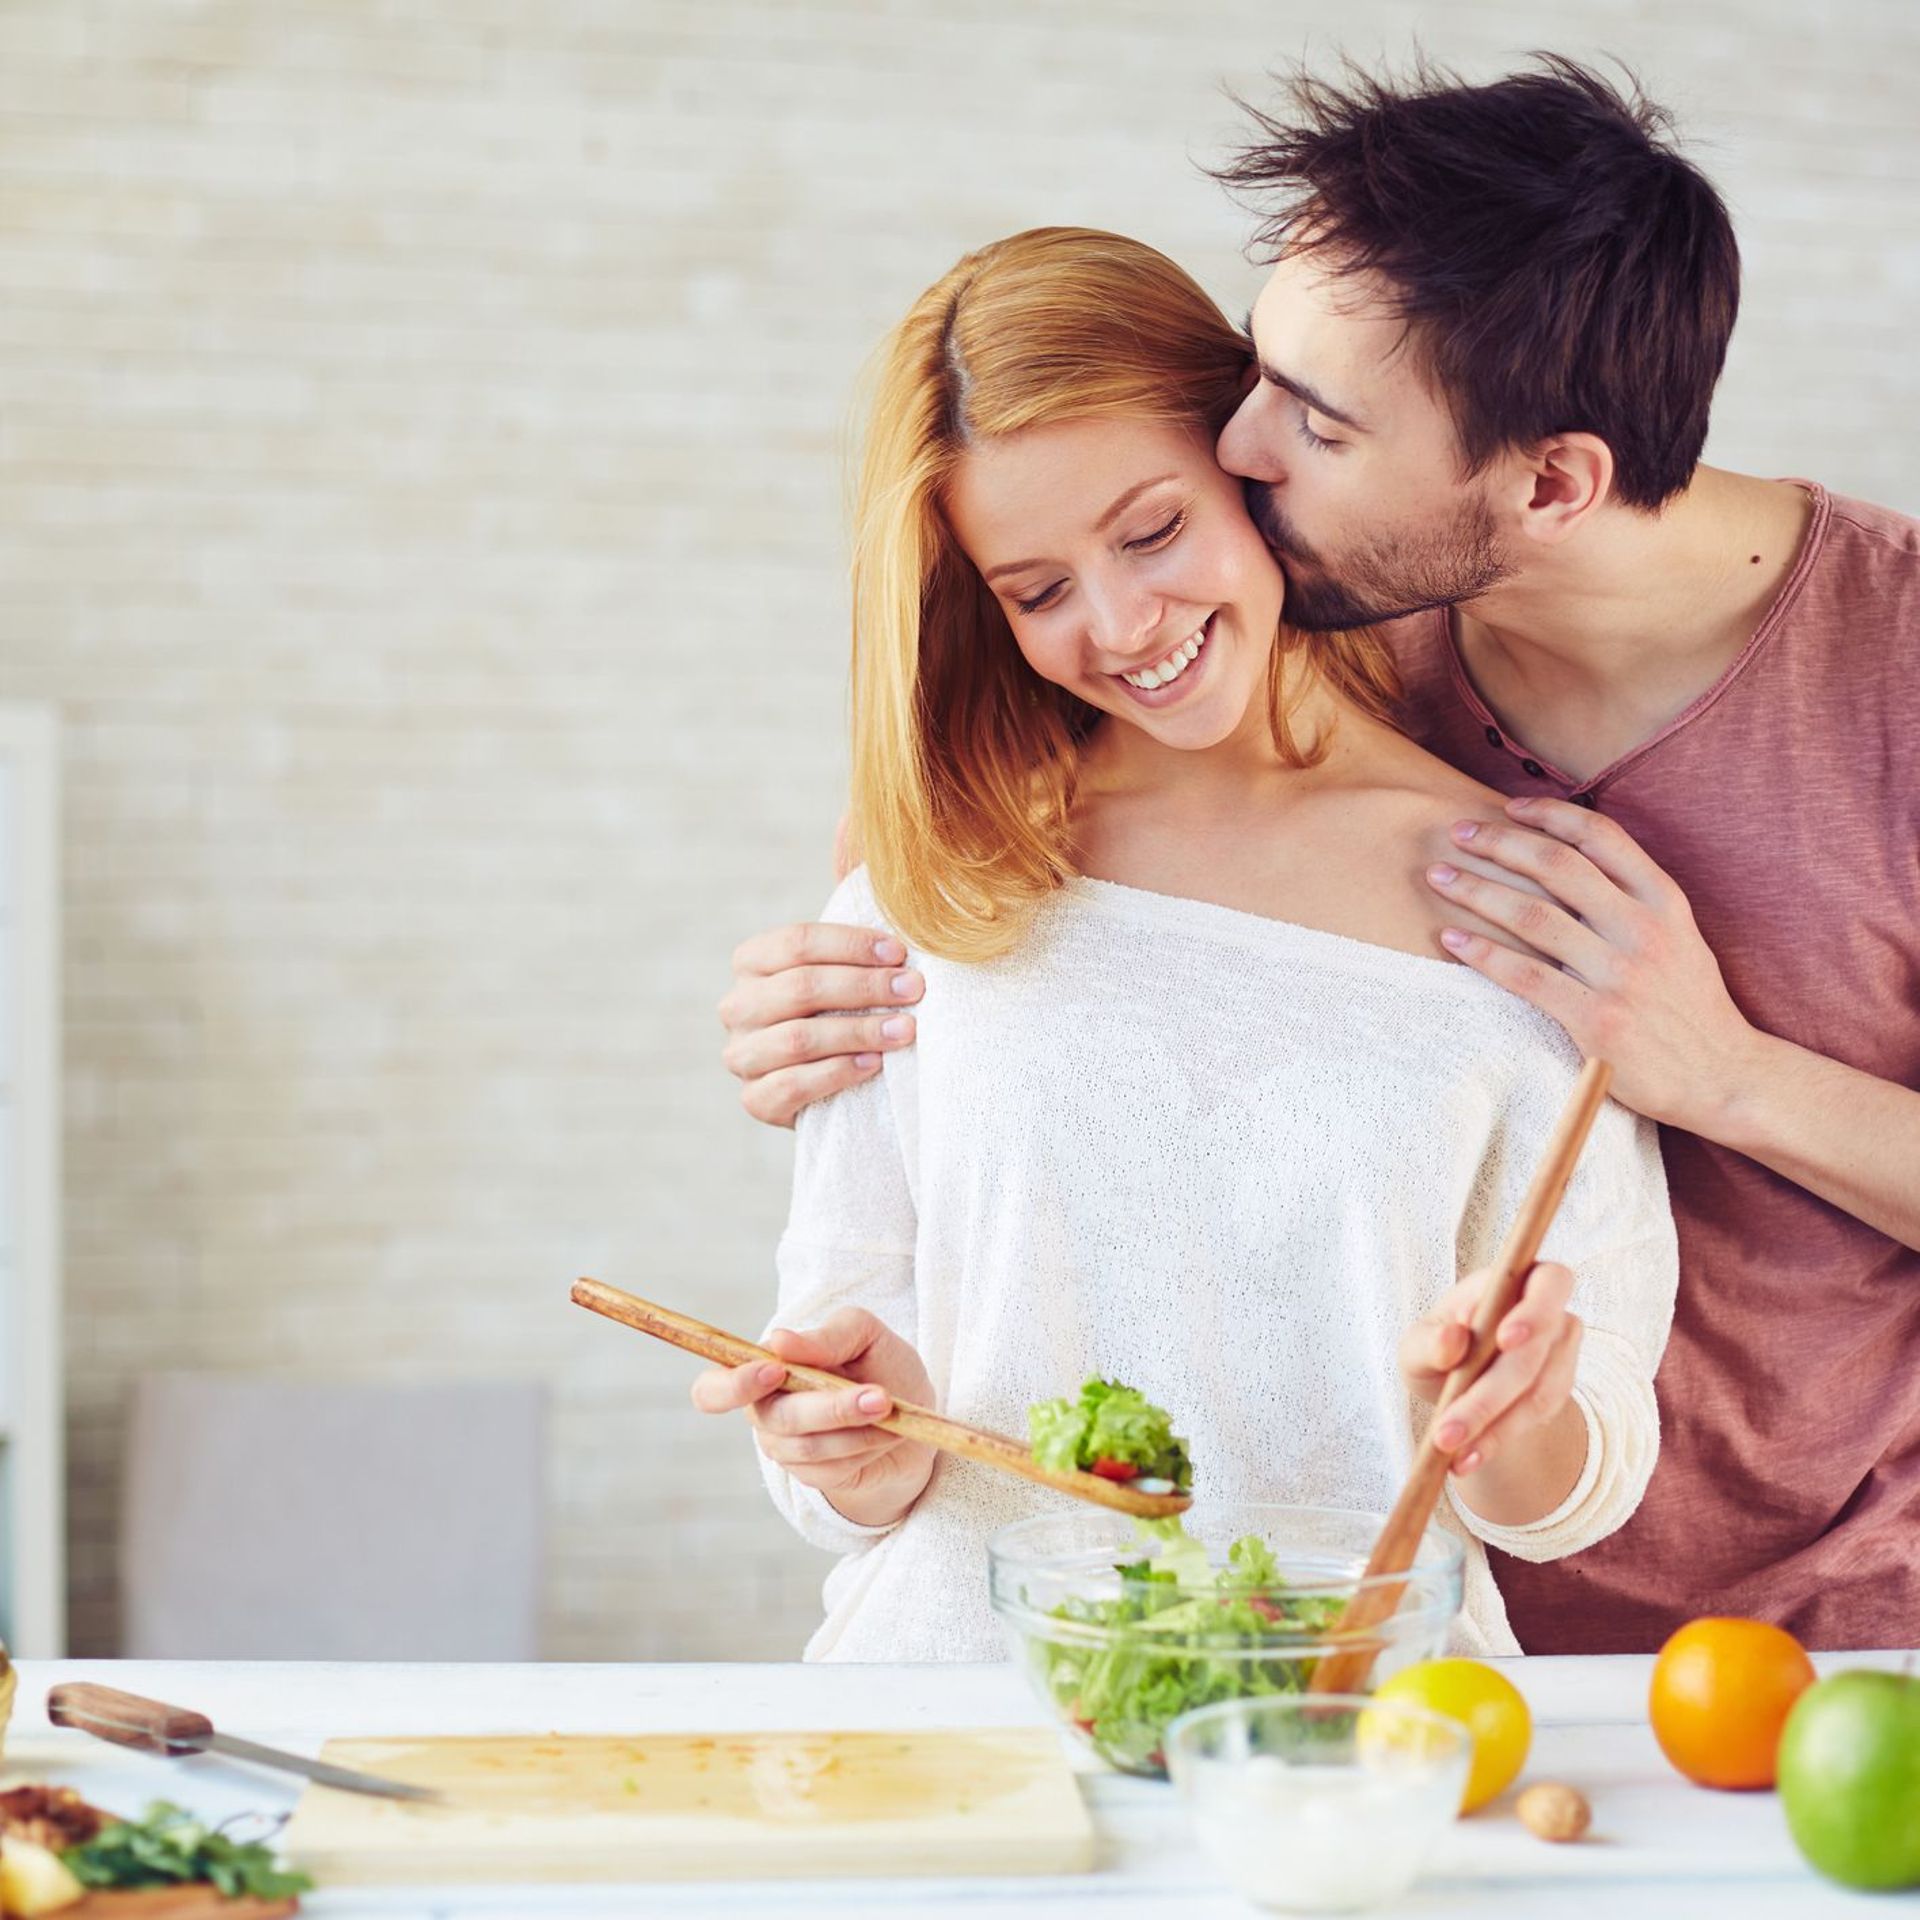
point(1347, 1670)
point(909, 1422)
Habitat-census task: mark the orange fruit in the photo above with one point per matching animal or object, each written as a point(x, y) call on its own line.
point(1720, 1696)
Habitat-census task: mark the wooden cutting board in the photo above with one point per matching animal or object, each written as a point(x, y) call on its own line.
point(689, 1806)
point(196, 1900)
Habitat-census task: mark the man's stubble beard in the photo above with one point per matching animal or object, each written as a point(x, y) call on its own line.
point(1386, 580)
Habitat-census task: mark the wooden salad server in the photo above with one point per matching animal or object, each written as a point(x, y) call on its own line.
point(978, 1444)
point(1347, 1670)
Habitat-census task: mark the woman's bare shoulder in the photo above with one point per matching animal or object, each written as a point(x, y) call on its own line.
point(1394, 821)
point(1401, 763)
point(1413, 797)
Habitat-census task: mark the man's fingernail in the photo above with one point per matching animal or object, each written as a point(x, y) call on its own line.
point(889, 952)
point(1450, 1434)
point(873, 1401)
point(866, 1062)
point(1466, 829)
point(897, 1028)
point(1454, 940)
point(770, 1376)
point(905, 985)
point(1443, 876)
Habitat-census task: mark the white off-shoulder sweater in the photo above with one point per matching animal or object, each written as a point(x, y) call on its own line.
point(1227, 1160)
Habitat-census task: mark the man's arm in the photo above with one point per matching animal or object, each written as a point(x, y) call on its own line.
point(786, 1041)
point(1843, 1134)
point(1637, 986)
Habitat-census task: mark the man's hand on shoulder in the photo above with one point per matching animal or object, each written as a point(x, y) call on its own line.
point(1635, 985)
point(789, 1041)
point(1638, 986)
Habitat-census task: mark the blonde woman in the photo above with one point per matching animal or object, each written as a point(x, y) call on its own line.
point(1193, 1102)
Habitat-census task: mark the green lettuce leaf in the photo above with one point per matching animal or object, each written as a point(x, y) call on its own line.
point(1181, 1634)
point(1109, 1422)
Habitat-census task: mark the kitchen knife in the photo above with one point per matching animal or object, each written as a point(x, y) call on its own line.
point(150, 1726)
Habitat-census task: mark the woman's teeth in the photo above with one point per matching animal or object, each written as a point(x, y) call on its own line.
point(1172, 667)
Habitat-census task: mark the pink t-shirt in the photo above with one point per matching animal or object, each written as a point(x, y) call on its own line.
point(1786, 802)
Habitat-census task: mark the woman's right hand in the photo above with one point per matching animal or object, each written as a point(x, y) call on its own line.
point(829, 1441)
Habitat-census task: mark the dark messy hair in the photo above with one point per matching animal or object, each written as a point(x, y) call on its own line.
point(1559, 266)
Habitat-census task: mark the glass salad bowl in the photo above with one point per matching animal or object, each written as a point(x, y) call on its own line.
point(1124, 1625)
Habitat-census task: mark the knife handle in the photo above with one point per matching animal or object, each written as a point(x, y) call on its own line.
point(128, 1720)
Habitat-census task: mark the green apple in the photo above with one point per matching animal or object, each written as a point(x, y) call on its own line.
point(1850, 1778)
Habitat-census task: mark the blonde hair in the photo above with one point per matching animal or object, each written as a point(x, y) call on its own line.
point(964, 759)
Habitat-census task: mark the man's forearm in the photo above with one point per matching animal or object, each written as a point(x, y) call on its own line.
point(1838, 1132)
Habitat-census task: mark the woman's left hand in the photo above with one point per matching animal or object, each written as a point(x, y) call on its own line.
point(1531, 1378)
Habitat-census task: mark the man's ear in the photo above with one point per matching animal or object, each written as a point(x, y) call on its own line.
point(1571, 478)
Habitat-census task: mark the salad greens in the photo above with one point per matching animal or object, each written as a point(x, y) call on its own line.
point(1181, 1634)
point(1111, 1430)
point(170, 1847)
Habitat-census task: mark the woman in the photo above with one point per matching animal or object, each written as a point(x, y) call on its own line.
point(1193, 1104)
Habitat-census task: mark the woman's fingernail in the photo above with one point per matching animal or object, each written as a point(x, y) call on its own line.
point(1520, 803)
point(1519, 1334)
point(889, 952)
point(905, 985)
point(1466, 829)
point(873, 1401)
point(770, 1376)
point(1442, 876)
point(1450, 1434)
point(897, 1028)
point(1469, 1463)
point(1454, 940)
point(866, 1062)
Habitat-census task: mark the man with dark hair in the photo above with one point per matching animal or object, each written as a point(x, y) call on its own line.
point(1486, 353)
point(1532, 258)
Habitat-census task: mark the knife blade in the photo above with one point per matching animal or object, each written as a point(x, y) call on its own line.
point(151, 1726)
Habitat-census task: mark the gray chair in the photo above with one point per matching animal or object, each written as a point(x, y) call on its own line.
point(285, 1519)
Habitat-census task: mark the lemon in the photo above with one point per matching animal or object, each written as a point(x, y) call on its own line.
point(1486, 1703)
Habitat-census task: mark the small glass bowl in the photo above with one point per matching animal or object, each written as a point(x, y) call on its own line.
point(1116, 1671)
point(1319, 1803)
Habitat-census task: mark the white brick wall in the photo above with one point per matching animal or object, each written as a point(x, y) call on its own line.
point(419, 488)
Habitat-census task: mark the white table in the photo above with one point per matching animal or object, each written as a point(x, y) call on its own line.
point(1660, 1847)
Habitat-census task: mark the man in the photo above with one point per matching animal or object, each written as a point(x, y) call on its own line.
point(1485, 358)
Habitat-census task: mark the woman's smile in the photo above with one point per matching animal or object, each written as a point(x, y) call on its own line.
point(1174, 675)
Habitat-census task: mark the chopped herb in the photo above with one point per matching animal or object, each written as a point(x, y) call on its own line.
point(169, 1847)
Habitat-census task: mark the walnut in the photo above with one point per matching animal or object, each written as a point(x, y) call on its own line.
point(1554, 1812)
